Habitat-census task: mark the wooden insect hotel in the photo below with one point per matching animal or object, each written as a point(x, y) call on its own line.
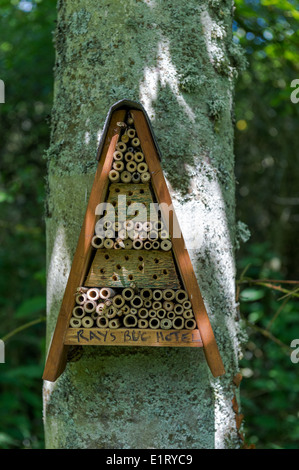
point(131, 282)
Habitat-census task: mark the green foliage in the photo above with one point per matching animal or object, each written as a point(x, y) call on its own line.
point(26, 62)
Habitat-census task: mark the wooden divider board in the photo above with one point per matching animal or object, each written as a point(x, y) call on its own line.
point(119, 268)
point(65, 336)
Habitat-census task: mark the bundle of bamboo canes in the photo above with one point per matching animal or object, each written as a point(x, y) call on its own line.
point(129, 165)
point(133, 235)
point(132, 308)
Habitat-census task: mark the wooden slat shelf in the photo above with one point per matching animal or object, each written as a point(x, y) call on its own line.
point(132, 337)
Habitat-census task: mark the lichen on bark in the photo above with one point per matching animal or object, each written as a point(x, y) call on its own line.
point(176, 57)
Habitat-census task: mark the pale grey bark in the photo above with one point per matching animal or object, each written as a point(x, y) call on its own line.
point(178, 59)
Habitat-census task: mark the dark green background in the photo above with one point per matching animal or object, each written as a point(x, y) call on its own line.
point(266, 149)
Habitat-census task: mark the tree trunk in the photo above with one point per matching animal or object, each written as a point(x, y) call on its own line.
point(177, 58)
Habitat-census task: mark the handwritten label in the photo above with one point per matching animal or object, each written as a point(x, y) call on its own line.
point(98, 336)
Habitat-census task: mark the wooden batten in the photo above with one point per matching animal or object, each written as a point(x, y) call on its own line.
point(122, 268)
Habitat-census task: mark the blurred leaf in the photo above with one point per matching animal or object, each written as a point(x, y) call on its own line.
point(31, 306)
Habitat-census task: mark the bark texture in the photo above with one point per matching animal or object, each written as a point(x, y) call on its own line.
point(178, 59)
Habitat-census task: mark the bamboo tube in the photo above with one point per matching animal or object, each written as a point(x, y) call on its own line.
point(137, 301)
point(119, 244)
point(131, 149)
point(94, 315)
point(153, 235)
point(170, 315)
point(99, 308)
point(111, 312)
point(125, 138)
point(81, 298)
point(130, 320)
point(126, 177)
point(137, 244)
point(107, 303)
point(146, 294)
point(115, 323)
point(90, 306)
point(118, 301)
point(168, 305)
point(142, 323)
point(147, 226)
point(163, 234)
point(97, 242)
point(130, 120)
point(158, 225)
point(78, 311)
point(154, 323)
point(129, 225)
point(142, 167)
point(168, 294)
point(129, 156)
point(102, 322)
point(147, 245)
point(109, 233)
point(178, 323)
point(75, 322)
point(128, 293)
point(143, 312)
point(138, 157)
point(161, 313)
point(188, 314)
point(131, 166)
point(131, 133)
point(128, 244)
point(133, 235)
point(190, 324)
point(108, 243)
point(114, 176)
point(136, 177)
point(133, 311)
point(145, 177)
point(135, 142)
point(121, 146)
point(118, 156)
point(155, 245)
point(152, 313)
point(166, 324)
point(121, 124)
point(118, 165)
point(178, 309)
point(93, 293)
point(156, 305)
point(138, 226)
point(81, 290)
point(143, 235)
point(181, 296)
point(125, 309)
point(122, 233)
point(187, 305)
point(116, 226)
point(157, 295)
point(106, 293)
point(87, 322)
point(166, 245)
point(147, 304)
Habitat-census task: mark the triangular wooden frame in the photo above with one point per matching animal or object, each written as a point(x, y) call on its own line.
point(57, 355)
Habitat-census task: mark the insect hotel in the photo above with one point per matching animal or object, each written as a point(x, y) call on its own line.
point(131, 282)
